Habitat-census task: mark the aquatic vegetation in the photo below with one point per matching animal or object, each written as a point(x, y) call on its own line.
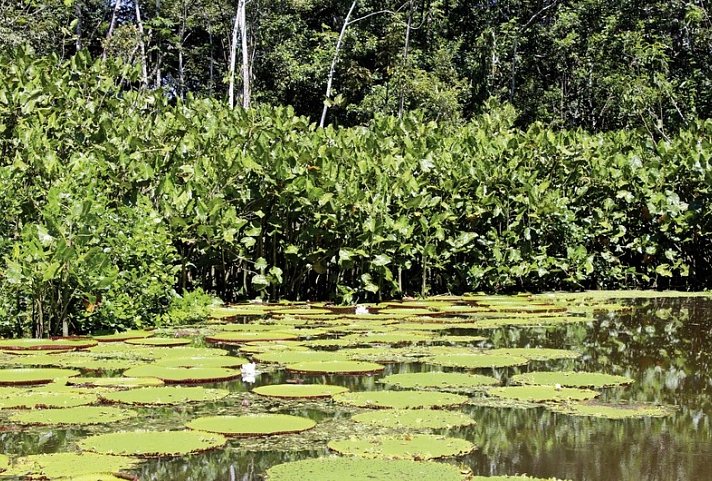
point(477, 360)
point(359, 469)
point(117, 382)
point(400, 399)
point(299, 390)
point(439, 380)
point(16, 377)
point(150, 444)
point(414, 419)
point(67, 465)
point(168, 395)
point(571, 379)
point(124, 336)
point(542, 393)
point(159, 342)
point(201, 361)
point(73, 416)
point(389, 338)
point(512, 478)
point(410, 446)
point(45, 344)
point(292, 356)
point(252, 424)
point(36, 399)
point(614, 411)
point(183, 375)
point(336, 367)
point(249, 336)
point(536, 353)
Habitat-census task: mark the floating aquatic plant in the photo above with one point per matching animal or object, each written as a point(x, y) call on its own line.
point(536, 353)
point(45, 344)
point(124, 336)
point(571, 379)
point(13, 377)
point(400, 399)
point(159, 342)
point(152, 444)
point(299, 390)
point(542, 393)
point(614, 411)
point(67, 465)
point(409, 446)
point(184, 375)
point(477, 361)
point(252, 424)
point(439, 380)
point(250, 336)
point(415, 419)
point(73, 416)
point(118, 382)
point(167, 395)
point(336, 367)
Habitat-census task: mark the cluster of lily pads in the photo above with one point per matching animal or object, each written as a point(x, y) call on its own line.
point(113, 379)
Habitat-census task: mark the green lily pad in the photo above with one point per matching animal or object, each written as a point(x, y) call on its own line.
point(67, 465)
point(400, 399)
point(272, 346)
point(536, 353)
point(243, 337)
point(124, 336)
point(299, 390)
point(45, 344)
point(336, 367)
point(36, 399)
point(16, 377)
point(168, 395)
point(253, 424)
point(158, 341)
point(414, 419)
point(118, 382)
point(511, 478)
point(4, 462)
point(439, 380)
point(254, 327)
point(542, 393)
point(410, 446)
point(238, 310)
point(421, 326)
point(570, 379)
point(93, 477)
point(183, 375)
point(389, 338)
point(614, 411)
point(458, 339)
point(477, 361)
point(292, 357)
point(73, 416)
point(152, 444)
point(359, 469)
point(383, 354)
point(202, 361)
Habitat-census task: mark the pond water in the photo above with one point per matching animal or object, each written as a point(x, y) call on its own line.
point(663, 344)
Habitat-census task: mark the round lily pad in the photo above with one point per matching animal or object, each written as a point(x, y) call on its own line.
point(94, 477)
point(400, 399)
point(35, 399)
point(411, 446)
point(336, 367)
point(571, 379)
point(252, 425)
point(118, 382)
point(359, 469)
point(477, 361)
point(388, 338)
point(511, 478)
point(73, 416)
point(12, 377)
point(168, 395)
point(152, 444)
point(67, 465)
point(124, 336)
point(183, 375)
point(542, 393)
point(614, 411)
point(243, 337)
point(414, 419)
point(45, 344)
point(4, 462)
point(536, 353)
point(299, 390)
point(202, 361)
point(292, 357)
point(439, 380)
point(159, 341)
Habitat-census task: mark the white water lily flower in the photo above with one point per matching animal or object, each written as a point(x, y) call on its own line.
point(362, 310)
point(249, 372)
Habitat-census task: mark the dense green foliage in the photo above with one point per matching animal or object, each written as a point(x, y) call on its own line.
point(114, 197)
point(597, 64)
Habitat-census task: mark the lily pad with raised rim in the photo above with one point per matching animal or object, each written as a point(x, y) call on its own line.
point(167, 395)
point(202, 361)
point(159, 342)
point(536, 353)
point(18, 377)
point(440, 380)
point(359, 469)
point(335, 367)
point(410, 446)
point(542, 393)
point(243, 337)
point(570, 379)
point(414, 419)
point(294, 391)
point(614, 411)
point(184, 375)
point(512, 478)
point(117, 382)
point(67, 465)
point(477, 361)
point(152, 444)
point(292, 357)
point(45, 344)
point(38, 399)
point(82, 415)
point(124, 336)
point(389, 338)
point(252, 425)
point(400, 399)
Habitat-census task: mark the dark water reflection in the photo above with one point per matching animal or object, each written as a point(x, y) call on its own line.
point(665, 345)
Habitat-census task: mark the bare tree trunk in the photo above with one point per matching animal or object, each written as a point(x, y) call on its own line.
point(245, 55)
point(406, 47)
point(112, 24)
point(142, 44)
point(211, 85)
point(233, 59)
point(78, 30)
point(330, 80)
point(181, 66)
point(159, 52)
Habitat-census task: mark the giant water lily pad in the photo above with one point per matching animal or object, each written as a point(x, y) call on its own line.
point(388, 338)
point(477, 361)
point(183, 375)
point(159, 342)
point(336, 367)
point(45, 344)
point(511, 478)
point(299, 390)
point(151, 444)
point(292, 357)
point(35, 399)
point(542, 393)
point(4, 462)
point(410, 446)
point(124, 336)
point(67, 465)
point(614, 411)
point(73, 416)
point(12, 377)
point(202, 361)
point(536, 353)
point(400, 399)
point(95, 477)
point(250, 336)
point(439, 380)
point(117, 382)
point(359, 469)
point(571, 379)
point(168, 395)
point(414, 419)
point(252, 425)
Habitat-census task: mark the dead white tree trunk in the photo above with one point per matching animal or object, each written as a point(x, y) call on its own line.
point(112, 25)
point(233, 59)
point(406, 48)
point(240, 26)
point(141, 44)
